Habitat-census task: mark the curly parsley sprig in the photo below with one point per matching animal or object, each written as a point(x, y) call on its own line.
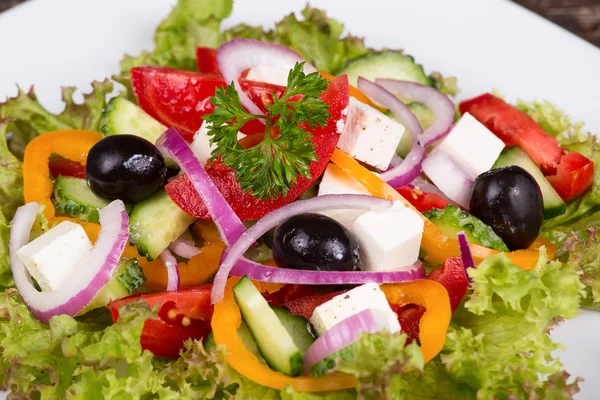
point(270, 168)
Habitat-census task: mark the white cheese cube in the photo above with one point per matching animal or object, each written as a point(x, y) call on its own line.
point(389, 240)
point(54, 256)
point(367, 296)
point(370, 136)
point(269, 74)
point(471, 146)
point(337, 181)
point(201, 146)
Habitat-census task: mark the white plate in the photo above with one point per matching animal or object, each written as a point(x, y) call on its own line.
point(486, 44)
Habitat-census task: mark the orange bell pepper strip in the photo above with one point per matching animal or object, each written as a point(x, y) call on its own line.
point(73, 145)
point(436, 244)
point(354, 92)
point(225, 322)
point(433, 327)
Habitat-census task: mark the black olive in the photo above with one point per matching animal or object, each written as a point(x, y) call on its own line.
point(315, 242)
point(510, 201)
point(125, 167)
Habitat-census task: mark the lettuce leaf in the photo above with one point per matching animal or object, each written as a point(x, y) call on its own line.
point(584, 253)
point(498, 342)
point(28, 118)
point(552, 119)
point(11, 177)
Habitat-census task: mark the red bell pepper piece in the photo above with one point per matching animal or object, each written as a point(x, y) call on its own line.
point(182, 315)
point(305, 306)
point(423, 201)
point(452, 276)
point(574, 176)
point(207, 60)
point(515, 128)
point(245, 205)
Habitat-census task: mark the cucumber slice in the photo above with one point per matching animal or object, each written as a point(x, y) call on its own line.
point(74, 198)
point(553, 204)
point(297, 327)
point(128, 277)
point(155, 223)
point(246, 338)
point(123, 117)
point(388, 64)
point(272, 338)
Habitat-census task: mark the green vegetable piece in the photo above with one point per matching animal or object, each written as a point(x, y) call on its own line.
point(74, 198)
point(451, 220)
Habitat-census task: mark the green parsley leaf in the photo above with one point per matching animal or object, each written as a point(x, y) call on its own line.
point(270, 169)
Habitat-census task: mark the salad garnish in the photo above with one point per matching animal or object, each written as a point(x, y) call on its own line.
point(289, 214)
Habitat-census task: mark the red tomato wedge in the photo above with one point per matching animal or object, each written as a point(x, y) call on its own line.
point(574, 176)
point(244, 204)
point(61, 166)
point(515, 128)
point(207, 60)
point(423, 201)
point(180, 98)
point(182, 315)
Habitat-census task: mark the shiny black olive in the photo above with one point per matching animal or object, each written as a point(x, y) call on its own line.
point(315, 242)
point(510, 201)
point(125, 167)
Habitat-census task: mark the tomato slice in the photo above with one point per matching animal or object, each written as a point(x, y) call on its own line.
point(423, 201)
point(62, 166)
point(305, 306)
point(207, 60)
point(183, 315)
point(575, 175)
point(515, 127)
point(452, 276)
point(245, 205)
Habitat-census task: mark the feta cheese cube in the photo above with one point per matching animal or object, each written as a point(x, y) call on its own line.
point(52, 257)
point(201, 146)
point(389, 240)
point(337, 181)
point(370, 136)
point(269, 74)
point(367, 296)
point(471, 146)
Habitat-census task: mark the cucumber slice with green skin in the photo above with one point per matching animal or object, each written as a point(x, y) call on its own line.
point(122, 117)
point(128, 277)
point(297, 327)
point(451, 220)
point(388, 64)
point(553, 204)
point(425, 118)
point(155, 223)
point(272, 338)
point(74, 198)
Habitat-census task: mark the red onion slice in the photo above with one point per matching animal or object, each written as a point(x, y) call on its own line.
point(342, 335)
point(73, 295)
point(184, 246)
point(439, 104)
point(172, 144)
point(448, 178)
point(465, 253)
point(263, 273)
point(410, 168)
point(172, 270)
point(274, 218)
point(238, 55)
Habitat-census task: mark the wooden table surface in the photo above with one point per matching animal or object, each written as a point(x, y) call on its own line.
point(581, 17)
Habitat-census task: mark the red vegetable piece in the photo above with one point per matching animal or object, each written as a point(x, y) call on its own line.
point(409, 317)
point(65, 167)
point(575, 175)
point(452, 276)
point(423, 201)
point(289, 293)
point(207, 60)
point(515, 128)
point(305, 306)
point(183, 315)
point(245, 205)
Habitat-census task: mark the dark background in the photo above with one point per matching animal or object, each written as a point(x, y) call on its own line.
point(581, 17)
